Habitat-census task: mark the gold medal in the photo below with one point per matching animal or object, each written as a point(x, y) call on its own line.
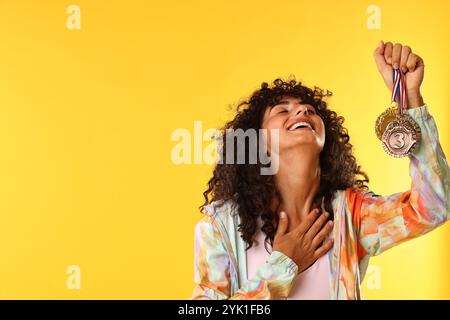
point(384, 119)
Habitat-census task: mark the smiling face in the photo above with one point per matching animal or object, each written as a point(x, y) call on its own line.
point(298, 124)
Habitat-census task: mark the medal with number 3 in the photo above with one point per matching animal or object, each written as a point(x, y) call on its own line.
point(397, 130)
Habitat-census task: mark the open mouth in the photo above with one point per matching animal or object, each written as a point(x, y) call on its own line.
point(301, 125)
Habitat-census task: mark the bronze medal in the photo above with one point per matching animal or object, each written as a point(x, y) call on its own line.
point(401, 136)
point(398, 132)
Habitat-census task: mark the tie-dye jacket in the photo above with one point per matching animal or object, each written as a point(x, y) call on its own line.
point(365, 225)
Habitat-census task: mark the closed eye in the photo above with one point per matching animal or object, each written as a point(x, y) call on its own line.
point(279, 109)
point(311, 109)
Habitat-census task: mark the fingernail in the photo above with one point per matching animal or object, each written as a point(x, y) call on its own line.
point(404, 70)
point(395, 65)
point(380, 43)
point(326, 214)
point(282, 214)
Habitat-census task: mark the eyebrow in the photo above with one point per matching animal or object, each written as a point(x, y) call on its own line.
point(286, 102)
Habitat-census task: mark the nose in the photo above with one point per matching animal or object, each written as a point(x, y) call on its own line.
point(302, 108)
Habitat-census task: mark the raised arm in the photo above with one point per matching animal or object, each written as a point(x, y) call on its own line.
point(383, 222)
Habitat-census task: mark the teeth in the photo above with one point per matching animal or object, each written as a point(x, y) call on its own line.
point(299, 124)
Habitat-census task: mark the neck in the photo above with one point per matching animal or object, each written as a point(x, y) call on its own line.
point(297, 182)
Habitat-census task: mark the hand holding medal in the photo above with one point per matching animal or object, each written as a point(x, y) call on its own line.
point(400, 68)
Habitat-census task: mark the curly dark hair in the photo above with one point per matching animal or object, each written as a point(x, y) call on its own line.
point(252, 192)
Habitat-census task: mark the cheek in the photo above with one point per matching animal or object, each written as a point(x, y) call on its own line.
point(269, 125)
point(266, 140)
point(321, 131)
point(273, 123)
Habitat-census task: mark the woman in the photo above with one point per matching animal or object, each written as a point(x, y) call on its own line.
point(308, 231)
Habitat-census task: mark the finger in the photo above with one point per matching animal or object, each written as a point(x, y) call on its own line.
point(420, 62)
point(323, 249)
point(378, 55)
point(282, 224)
point(388, 52)
point(318, 239)
point(406, 51)
point(412, 62)
point(396, 53)
point(307, 223)
point(379, 50)
point(315, 228)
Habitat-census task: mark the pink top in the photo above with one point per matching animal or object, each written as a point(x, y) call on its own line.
point(311, 284)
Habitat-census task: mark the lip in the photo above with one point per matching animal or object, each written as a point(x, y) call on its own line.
point(299, 119)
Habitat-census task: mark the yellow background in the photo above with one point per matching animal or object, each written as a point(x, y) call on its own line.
point(86, 117)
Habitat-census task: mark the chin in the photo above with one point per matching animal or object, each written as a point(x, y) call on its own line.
point(305, 141)
point(304, 144)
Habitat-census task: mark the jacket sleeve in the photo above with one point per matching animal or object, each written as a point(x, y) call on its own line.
point(385, 221)
point(273, 280)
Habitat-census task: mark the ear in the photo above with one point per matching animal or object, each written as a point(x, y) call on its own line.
point(264, 141)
